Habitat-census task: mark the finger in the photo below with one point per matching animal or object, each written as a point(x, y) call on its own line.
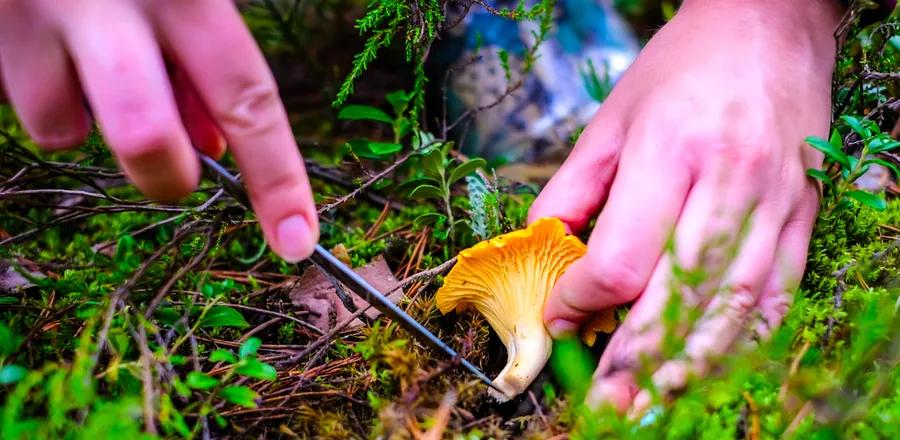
point(705, 237)
point(628, 239)
point(580, 186)
point(125, 80)
point(793, 245)
point(229, 72)
point(733, 309)
point(42, 84)
point(728, 312)
point(2, 88)
point(200, 126)
point(616, 388)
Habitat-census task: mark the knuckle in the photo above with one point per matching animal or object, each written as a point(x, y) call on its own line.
point(611, 275)
point(142, 143)
point(752, 158)
point(779, 303)
point(254, 108)
point(276, 188)
point(749, 155)
point(740, 302)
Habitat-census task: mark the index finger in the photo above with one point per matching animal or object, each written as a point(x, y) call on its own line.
point(209, 41)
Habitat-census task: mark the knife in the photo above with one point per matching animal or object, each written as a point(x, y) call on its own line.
point(340, 271)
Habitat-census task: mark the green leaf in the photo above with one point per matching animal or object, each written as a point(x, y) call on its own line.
point(367, 149)
point(221, 355)
point(832, 152)
point(250, 347)
point(124, 248)
point(402, 128)
point(428, 219)
point(466, 168)
point(866, 198)
point(385, 148)
point(201, 381)
point(208, 290)
point(398, 99)
point(180, 387)
point(856, 125)
point(9, 340)
point(364, 112)
point(819, 175)
point(883, 143)
point(167, 315)
point(425, 141)
point(382, 184)
point(885, 164)
point(406, 187)
point(257, 370)
point(434, 162)
point(573, 366)
point(239, 395)
point(836, 140)
point(8, 300)
point(10, 374)
point(426, 192)
point(222, 316)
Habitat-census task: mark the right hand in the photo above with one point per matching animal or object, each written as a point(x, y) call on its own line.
point(695, 164)
point(217, 88)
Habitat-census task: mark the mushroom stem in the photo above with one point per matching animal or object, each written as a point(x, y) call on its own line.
point(527, 353)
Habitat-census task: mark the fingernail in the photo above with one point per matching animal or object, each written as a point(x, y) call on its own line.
point(294, 239)
point(559, 328)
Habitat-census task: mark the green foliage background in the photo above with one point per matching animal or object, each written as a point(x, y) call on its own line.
point(81, 357)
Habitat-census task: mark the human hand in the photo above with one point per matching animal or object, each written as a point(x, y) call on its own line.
point(701, 142)
point(217, 88)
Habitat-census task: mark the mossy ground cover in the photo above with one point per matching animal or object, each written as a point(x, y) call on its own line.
point(132, 319)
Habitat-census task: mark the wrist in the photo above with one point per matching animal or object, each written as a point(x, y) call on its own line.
point(796, 26)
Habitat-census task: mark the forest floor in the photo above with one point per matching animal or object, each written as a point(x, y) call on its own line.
point(124, 317)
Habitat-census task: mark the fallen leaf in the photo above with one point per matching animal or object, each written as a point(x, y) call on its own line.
point(12, 280)
point(317, 293)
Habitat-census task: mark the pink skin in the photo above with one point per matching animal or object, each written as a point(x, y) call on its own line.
point(159, 76)
point(703, 136)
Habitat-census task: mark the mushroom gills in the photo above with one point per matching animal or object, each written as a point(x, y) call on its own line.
point(507, 279)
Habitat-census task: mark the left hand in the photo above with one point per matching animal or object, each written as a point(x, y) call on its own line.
point(701, 142)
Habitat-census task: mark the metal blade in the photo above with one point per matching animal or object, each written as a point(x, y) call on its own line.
point(334, 267)
point(337, 269)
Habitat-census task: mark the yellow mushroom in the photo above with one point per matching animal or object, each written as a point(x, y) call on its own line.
point(507, 279)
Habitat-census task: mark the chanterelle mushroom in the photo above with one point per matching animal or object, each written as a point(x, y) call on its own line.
point(507, 279)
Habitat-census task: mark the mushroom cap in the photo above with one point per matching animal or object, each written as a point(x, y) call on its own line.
point(507, 279)
point(510, 276)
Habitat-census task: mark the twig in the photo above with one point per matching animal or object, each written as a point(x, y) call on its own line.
point(258, 310)
point(343, 199)
point(147, 378)
point(122, 292)
point(182, 271)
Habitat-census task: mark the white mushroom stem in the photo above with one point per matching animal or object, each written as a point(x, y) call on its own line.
point(527, 351)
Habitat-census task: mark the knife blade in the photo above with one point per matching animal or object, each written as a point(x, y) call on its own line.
point(358, 285)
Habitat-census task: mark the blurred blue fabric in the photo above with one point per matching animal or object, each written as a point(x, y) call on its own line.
point(555, 100)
